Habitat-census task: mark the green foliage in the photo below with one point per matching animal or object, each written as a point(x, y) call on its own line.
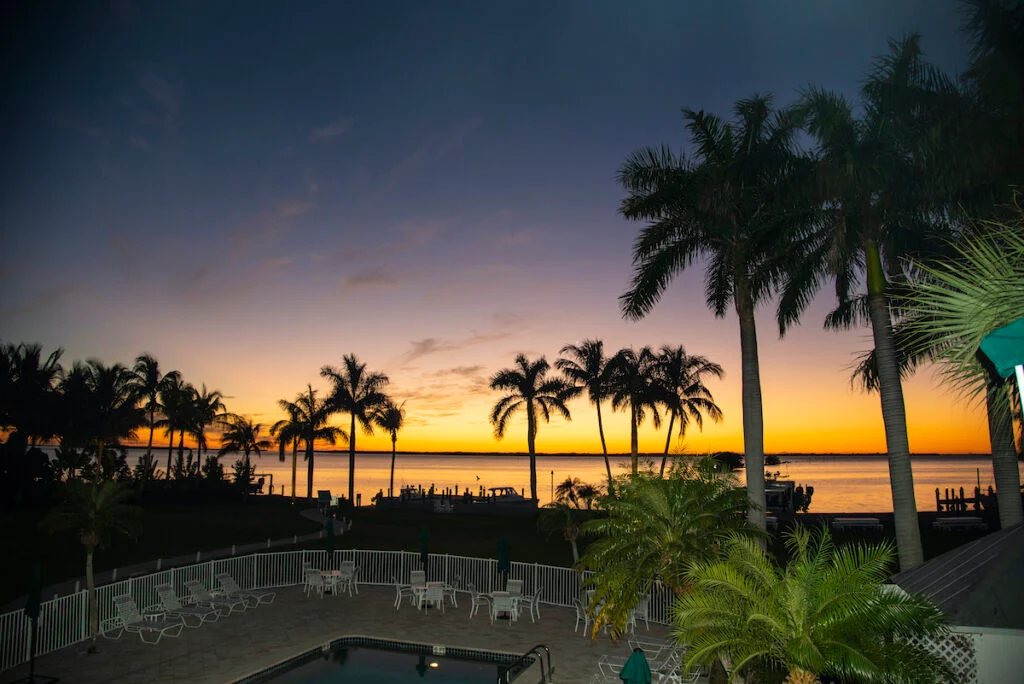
point(655, 528)
point(95, 512)
point(826, 612)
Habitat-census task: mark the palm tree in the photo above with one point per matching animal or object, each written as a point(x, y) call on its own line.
point(952, 306)
point(882, 197)
point(566, 491)
point(288, 430)
point(561, 517)
point(391, 418)
point(308, 416)
point(241, 435)
point(588, 494)
point(632, 385)
point(28, 384)
point(586, 369)
point(113, 413)
point(96, 512)
point(736, 207)
point(175, 398)
point(206, 406)
point(358, 393)
point(682, 378)
point(655, 528)
point(150, 383)
point(827, 612)
point(527, 387)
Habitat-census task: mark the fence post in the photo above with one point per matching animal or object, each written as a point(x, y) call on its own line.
point(78, 586)
point(197, 556)
point(268, 542)
point(113, 576)
point(159, 564)
point(232, 549)
point(295, 539)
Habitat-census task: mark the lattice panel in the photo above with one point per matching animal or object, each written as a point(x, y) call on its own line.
point(958, 650)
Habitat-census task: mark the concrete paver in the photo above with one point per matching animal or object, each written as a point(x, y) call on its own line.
point(244, 643)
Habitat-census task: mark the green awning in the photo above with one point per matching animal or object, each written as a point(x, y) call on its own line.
point(1004, 347)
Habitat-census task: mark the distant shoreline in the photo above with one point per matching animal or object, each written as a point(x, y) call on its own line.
point(871, 456)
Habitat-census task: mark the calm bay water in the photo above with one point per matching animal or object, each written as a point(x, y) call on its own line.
point(848, 484)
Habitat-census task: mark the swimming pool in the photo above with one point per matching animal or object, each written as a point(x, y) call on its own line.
point(361, 659)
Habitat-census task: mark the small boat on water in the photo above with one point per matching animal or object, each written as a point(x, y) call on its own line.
point(496, 500)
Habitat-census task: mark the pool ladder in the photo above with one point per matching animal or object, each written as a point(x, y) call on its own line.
point(542, 653)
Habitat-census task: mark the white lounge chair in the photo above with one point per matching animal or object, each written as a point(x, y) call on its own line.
point(432, 595)
point(476, 599)
point(232, 590)
point(201, 596)
point(171, 605)
point(129, 619)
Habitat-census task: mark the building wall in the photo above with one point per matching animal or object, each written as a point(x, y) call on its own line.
point(999, 654)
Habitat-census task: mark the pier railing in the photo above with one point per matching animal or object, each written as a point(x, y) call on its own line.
point(64, 620)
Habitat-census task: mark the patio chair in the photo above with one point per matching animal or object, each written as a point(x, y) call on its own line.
point(533, 604)
point(417, 578)
point(129, 619)
point(433, 595)
point(232, 590)
point(581, 614)
point(514, 587)
point(314, 582)
point(504, 605)
point(667, 666)
point(171, 605)
point(402, 591)
point(202, 597)
point(347, 579)
point(449, 591)
point(642, 611)
point(476, 600)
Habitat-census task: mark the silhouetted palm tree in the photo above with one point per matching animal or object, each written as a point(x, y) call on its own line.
point(358, 393)
point(528, 387)
point(241, 435)
point(206, 407)
point(391, 418)
point(566, 491)
point(27, 385)
point(686, 396)
point(879, 180)
point(150, 382)
point(176, 400)
point(633, 385)
point(113, 413)
point(308, 416)
point(734, 208)
point(586, 369)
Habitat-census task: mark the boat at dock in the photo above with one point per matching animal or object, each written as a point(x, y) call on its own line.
point(490, 501)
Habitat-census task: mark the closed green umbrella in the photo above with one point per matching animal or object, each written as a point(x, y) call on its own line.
point(636, 670)
point(424, 549)
point(504, 557)
point(1004, 348)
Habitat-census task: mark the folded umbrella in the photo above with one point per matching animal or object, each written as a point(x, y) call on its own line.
point(636, 670)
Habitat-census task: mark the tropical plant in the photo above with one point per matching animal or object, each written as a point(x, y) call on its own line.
point(307, 421)
point(150, 382)
point(655, 527)
point(241, 435)
point(358, 393)
point(175, 398)
point(736, 207)
point(586, 370)
point(883, 187)
point(112, 413)
point(566, 491)
point(561, 517)
point(632, 386)
point(391, 417)
point(951, 307)
point(588, 494)
point(96, 513)
point(528, 387)
point(826, 613)
point(204, 411)
point(27, 384)
point(687, 399)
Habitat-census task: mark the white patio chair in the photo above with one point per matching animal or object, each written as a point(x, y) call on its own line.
point(533, 604)
point(433, 595)
point(476, 600)
point(417, 578)
point(581, 615)
point(232, 590)
point(514, 587)
point(503, 604)
point(129, 619)
point(171, 605)
point(449, 591)
point(314, 582)
point(202, 597)
point(402, 591)
point(347, 579)
point(642, 611)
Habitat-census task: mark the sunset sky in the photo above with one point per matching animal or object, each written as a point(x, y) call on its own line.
point(249, 191)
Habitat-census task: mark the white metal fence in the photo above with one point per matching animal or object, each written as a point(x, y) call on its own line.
point(63, 621)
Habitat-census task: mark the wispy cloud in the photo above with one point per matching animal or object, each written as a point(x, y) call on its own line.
point(47, 300)
point(376, 278)
point(436, 146)
point(164, 97)
point(457, 138)
point(330, 131)
point(427, 346)
point(139, 143)
point(461, 371)
point(501, 328)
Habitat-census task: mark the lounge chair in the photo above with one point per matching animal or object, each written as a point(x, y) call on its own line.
point(476, 600)
point(129, 619)
point(667, 665)
point(202, 597)
point(171, 605)
point(232, 590)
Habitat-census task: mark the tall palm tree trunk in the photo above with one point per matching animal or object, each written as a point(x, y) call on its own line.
point(634, 438)
point(391, 483)
point(170, 450)
point(1004, 457)
point(309, 468)
point(604, 447)
point(753, 417)
point(531, 439)
point(352, 462)
point(90, 585)
point(668, 441)
point(894, 416)
point(295, 467)
point(149, 451)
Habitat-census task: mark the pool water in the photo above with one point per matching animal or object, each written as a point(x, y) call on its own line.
point(345, 664)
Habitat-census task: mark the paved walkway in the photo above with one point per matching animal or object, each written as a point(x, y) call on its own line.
point(244, 643)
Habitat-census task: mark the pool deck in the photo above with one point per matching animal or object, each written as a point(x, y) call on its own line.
point(241, 644)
